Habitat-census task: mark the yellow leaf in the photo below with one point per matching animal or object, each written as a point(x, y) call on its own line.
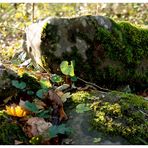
point(15, 111)
point(18, 111)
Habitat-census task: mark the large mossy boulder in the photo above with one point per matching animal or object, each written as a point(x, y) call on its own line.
point(105, 52)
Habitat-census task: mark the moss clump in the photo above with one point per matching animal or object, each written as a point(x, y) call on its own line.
point(125, 42)
point(80, 96)
point(128, 45)
point(126, 117)
point(9, 132)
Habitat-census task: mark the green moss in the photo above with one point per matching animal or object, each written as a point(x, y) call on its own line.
point(80, 96)
point(9, 132)
point(126, 117)
point(127, 44)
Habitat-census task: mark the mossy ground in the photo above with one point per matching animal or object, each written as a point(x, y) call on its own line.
point(117, 113)
point(11, 131)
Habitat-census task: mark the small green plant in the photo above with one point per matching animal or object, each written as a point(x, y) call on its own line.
point(31, 107)
point(67, 69)
point(81, 108)
point(17, 84)
point(61, 129)
point(56, 78)
point(41, 92)
point(39, 113)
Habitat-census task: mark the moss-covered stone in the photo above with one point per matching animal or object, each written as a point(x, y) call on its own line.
point(117, 113)
point(126, 115)
point(104, 51)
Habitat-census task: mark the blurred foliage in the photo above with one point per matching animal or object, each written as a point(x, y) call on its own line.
point(14, 17)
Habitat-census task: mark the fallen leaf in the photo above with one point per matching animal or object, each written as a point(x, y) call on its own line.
point(63, 87)
point(40, 104)
point(56, 101)
point(17, 142)
point(36, 126)
point(15, 110)
point(59, 93)
point(65, 96)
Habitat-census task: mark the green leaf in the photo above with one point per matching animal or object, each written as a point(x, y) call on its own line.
point(81, 108)
point(41, 92)
point(53, 131)
point(17, 84)
point(56, 78)
point(30, 92)
point(31, 107)
point(74, 78)
point(67, 69)
point(43, 114)
point(61, 129)
point(45, 83)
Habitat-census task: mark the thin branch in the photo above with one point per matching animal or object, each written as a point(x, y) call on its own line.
point(33, 4)
point(93, 84)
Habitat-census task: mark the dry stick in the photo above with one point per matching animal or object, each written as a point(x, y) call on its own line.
point(33, 4)
point(93, 84)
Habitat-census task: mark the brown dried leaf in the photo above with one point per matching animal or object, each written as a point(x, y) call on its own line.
point(40, 104)
point(59, 93)
point(56, 102)
point(36, 126)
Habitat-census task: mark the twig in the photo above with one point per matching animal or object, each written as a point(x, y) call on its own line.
point(143, 112)
point(33, 4)
point(93, 84)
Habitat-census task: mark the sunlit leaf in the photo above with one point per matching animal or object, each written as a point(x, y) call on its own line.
point(15, 111)
point(67, 69)
point(21, 71)
point(45, 83)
